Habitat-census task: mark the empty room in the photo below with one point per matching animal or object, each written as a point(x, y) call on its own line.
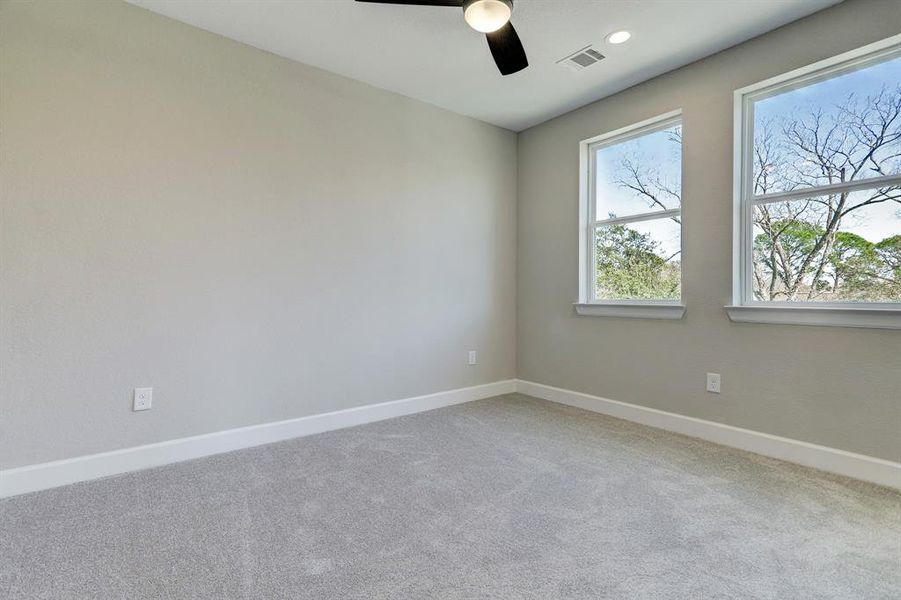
point(452, 299)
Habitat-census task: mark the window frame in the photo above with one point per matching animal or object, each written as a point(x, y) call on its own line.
point(744, 307)
point(588, 303)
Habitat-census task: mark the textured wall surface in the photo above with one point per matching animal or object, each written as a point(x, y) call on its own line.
point(839, 387)
point(260, 240)
point(254, 238)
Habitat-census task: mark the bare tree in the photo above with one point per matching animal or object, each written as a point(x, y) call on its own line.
point(858, 139)
point(796, 256)
point(648, 183)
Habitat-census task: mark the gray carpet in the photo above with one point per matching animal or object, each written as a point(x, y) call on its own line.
point(504, 498)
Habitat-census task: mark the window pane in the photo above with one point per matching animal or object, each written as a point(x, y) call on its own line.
point(839, 248)
point(843, 129)
point(639, 175)
point(639, 261)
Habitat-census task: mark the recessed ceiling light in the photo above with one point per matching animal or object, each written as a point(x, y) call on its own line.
point(618, 37)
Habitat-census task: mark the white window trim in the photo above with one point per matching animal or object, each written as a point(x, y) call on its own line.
point(744, 308)
point(587, 304)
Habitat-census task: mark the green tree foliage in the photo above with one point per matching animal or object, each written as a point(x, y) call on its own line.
point(630, 265)
point(850, 266)
point(889, 253)
point(854, 265)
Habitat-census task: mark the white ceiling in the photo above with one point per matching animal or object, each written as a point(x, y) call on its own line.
point(429, 53)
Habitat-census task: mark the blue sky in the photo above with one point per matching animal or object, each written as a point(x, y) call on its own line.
point(833, 91)
point(660, 157)
point(875, 222)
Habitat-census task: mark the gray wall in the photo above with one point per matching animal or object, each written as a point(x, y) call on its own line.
point(256, 239)
point(260, 240)
point(834, 386)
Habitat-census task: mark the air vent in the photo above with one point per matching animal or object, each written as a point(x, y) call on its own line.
point(581, 59)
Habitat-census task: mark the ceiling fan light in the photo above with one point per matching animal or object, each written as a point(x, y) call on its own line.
point(487, 15)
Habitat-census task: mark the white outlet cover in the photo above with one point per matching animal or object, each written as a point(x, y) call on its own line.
point(143, 399)
point(713, 382)
point(473, 357)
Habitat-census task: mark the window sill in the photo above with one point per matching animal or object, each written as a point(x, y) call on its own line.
point(872, 318)
point(631, 311)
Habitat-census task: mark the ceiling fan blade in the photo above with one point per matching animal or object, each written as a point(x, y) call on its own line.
point(507, 50)
point(455, 3)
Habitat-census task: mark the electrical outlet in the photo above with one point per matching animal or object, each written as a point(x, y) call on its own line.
point(143, 399)
point(473, 357)
point(713, 382)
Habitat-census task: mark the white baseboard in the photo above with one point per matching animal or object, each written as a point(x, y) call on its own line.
point(42, 476)
point(858, 466)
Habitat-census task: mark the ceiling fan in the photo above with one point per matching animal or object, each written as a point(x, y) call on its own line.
point(491, 17)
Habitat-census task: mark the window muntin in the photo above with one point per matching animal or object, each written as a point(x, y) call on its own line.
point(821, 190)
point(635, 214)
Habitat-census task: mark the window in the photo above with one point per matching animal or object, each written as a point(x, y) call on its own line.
point(631, 221)
point(818, 194)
